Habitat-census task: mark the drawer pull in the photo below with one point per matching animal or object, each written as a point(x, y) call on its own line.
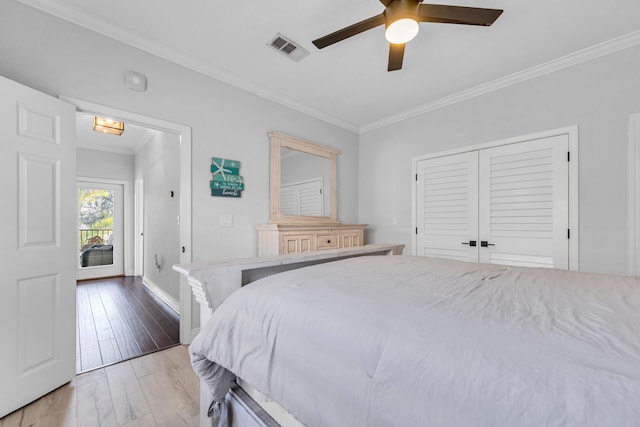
point(328, 241)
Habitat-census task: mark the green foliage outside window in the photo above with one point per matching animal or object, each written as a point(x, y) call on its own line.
point(95, 216)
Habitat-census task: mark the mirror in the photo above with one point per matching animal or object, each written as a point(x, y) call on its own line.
point(303, 181)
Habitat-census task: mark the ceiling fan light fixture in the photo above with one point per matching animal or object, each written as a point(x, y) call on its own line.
point(402, 30)
point(112, 127)
point(401, 19)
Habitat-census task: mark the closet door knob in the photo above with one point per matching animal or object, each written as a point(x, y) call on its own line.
point(470, 243)
point(484, 243)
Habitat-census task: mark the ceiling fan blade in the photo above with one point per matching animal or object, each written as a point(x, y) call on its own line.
point(396, 55)
point(458, 14)
point(349, 31)
point(386, 2)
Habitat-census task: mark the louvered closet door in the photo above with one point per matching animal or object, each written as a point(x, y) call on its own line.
point(302, 198)
point(447, 203)
point(523, 195)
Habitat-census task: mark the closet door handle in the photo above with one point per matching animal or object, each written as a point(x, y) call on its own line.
point(484, 243)
point(470, 243)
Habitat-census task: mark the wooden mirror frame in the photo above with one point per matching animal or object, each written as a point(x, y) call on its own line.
point(279, 140)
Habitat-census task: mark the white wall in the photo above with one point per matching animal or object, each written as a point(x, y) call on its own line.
point(598, 96)
point(57, 57)
point(102, 164)
point(158, 164)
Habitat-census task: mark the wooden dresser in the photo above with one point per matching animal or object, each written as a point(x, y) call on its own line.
point(281, 239)
point(307, 219)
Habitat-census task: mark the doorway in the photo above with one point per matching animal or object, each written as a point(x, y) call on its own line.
point(100, 229)
point(138, 264)
point(182, 298)
point(119, 319)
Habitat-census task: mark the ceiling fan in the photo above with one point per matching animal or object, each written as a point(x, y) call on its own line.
point(401, 18)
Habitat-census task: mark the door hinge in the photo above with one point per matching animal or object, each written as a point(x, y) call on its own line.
point(416, 177)
point(568, 156)
point(568, 233)
point(416, 230)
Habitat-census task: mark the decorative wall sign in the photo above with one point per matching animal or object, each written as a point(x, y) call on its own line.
point(227, 181)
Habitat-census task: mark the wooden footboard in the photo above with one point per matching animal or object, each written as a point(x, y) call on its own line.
point(213, 283)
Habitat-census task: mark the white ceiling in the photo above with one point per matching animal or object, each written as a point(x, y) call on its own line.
point(348, 83)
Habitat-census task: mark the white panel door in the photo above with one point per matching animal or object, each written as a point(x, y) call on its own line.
point(524, 199)
point(37, 247)
point(447, 204)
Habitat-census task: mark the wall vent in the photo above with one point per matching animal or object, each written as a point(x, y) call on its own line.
point(288, 48)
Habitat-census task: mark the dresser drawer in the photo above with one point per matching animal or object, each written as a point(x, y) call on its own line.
point(327, 241)
point(274, 239)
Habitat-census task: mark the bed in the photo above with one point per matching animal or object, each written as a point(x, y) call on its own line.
point(386, 341)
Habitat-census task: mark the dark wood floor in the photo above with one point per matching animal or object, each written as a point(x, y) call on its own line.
point(118, 319)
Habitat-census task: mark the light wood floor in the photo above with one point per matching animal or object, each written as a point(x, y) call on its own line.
point(159, 389)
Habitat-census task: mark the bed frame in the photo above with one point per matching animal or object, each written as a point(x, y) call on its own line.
point(211, 284)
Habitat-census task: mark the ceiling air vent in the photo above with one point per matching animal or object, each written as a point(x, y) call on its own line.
point(288, 48)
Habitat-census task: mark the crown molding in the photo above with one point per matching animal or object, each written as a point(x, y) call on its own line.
point(117, 32)
point(578, 57)
point(109, 29)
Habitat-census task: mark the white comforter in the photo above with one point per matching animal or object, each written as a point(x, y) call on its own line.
point(413, 341)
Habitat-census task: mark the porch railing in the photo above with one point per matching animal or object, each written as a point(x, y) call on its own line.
point(94, 236)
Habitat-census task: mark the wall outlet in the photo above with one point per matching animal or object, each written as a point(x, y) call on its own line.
point(226, 220)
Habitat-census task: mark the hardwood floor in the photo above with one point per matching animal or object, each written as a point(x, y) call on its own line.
point(159, 389)
point(118, 319)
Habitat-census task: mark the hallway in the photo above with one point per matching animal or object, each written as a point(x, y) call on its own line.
point(118, 318)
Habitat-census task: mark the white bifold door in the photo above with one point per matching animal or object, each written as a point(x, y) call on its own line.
point(447, 202)
point(501, 205)
point(37, 247)
point(302, 198)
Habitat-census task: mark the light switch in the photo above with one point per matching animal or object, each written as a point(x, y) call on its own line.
point(226, 220)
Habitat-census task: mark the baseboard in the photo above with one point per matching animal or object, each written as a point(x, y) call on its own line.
point(162, 294)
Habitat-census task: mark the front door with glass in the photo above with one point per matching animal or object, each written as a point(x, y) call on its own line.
point(99, 235)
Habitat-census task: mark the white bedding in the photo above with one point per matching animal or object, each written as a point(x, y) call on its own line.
point(414, 341)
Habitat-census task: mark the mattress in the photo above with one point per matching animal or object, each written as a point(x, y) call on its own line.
point(414, 341)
